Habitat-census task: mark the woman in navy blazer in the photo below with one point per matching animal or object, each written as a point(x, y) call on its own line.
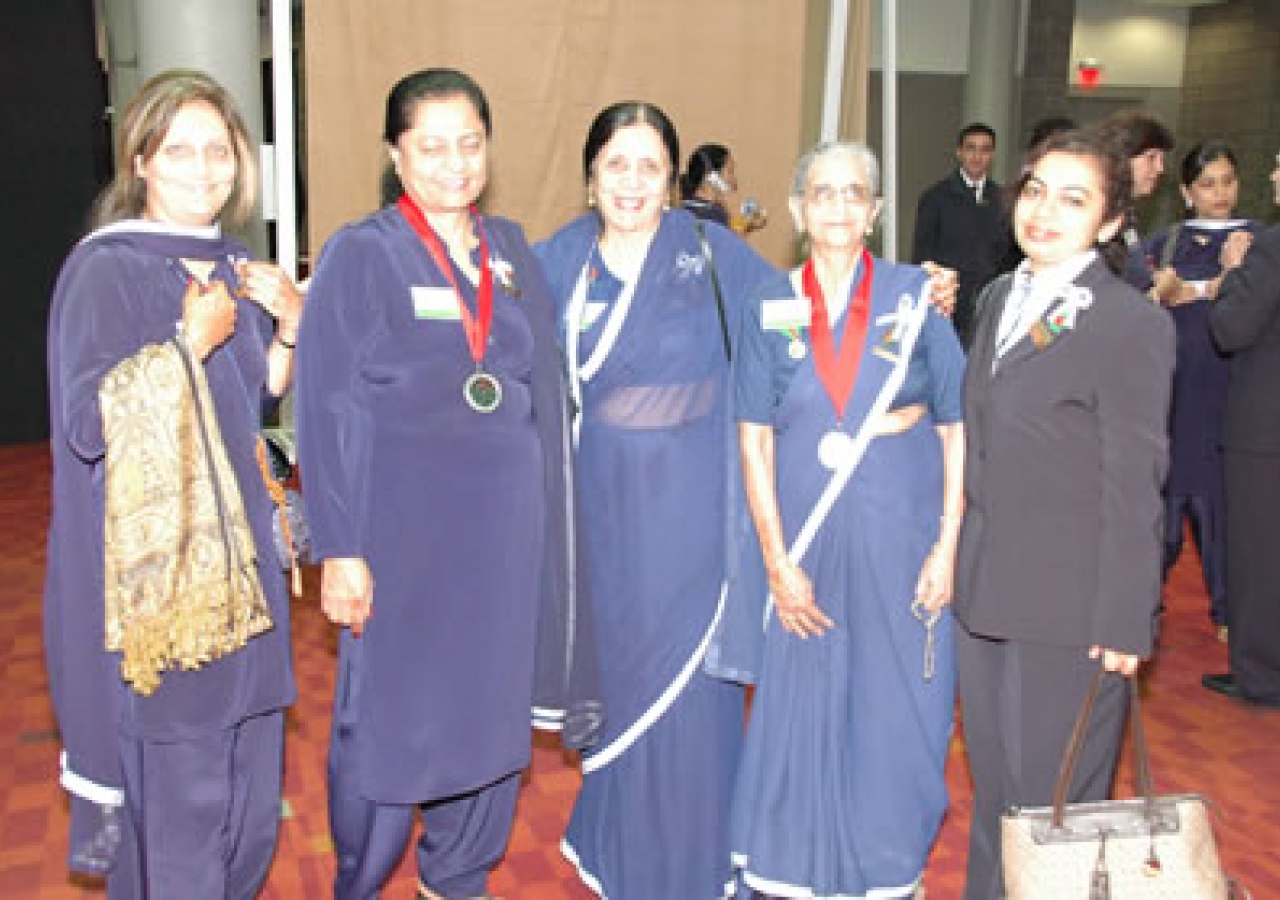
point(1058, 572)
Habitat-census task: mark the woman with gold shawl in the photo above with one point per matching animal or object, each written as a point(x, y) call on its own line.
point(166, 613)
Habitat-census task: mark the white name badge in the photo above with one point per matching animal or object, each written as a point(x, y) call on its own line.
point(784, 313)
point(591, 313)
point(435, 303)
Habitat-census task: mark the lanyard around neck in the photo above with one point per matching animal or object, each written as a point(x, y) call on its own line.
point(837, 372)
point(475, 327)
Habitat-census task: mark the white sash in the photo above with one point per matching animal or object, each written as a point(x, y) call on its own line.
point(909, 332)
point(580, 373)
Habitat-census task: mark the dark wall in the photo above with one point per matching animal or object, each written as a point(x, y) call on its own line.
point(51, 118)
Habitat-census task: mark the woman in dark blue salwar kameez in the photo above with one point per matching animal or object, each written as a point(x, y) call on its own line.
point(431, 442)
point(1194, 490)
point(174, 781)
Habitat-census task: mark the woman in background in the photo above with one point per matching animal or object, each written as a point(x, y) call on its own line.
point(709, 182)
point(1189, 259)
point(166, 346)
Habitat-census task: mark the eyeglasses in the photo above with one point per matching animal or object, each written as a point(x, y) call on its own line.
point(827, 194)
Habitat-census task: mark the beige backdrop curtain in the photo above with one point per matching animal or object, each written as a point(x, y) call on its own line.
point(730, 71)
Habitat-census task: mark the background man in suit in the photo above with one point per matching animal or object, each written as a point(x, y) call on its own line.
point(1245, 320)
point(961, 223)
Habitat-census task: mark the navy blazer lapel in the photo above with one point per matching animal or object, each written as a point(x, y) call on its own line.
point(1090, 278)
point(983, 349)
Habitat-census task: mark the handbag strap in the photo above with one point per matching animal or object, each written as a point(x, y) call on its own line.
point(1170, 245)
point(715, 287)
point(1142, 760)
point(231, 546)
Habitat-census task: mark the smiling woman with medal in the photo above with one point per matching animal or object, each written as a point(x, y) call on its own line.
point(852, 458)
point(1058, 572)
point(648, 338)
point(431, 438)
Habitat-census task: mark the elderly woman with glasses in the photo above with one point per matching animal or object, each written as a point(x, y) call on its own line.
point(848, 407)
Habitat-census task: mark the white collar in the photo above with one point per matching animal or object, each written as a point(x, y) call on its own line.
point(1216, 224)
point(1056, 276)
point(148, 226)
point(973, 183)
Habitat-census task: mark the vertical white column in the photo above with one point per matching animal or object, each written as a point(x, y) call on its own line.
point(994, 27)
point(889, 128)
point(286, 203)
point(220, 37)
point(833, 82)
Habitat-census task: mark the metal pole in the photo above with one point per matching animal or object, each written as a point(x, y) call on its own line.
point(889, 127)
point(833, 85)
point(282, 121)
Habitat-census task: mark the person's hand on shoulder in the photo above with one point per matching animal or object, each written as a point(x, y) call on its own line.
point(943, 285)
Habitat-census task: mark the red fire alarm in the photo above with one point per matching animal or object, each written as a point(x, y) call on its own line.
point(1090, 73)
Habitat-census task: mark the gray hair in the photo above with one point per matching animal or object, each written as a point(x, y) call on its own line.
point(856, 150)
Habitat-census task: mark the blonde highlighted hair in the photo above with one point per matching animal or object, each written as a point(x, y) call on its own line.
point(146, 122)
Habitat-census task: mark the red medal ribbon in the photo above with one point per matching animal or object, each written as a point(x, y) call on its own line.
point(838, 373)
point(476, 327)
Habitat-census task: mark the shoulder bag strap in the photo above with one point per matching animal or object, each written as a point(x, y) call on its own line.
point(1170, 244)
point(715, 287)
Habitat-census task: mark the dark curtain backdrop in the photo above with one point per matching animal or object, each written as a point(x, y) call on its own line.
point(52, 155)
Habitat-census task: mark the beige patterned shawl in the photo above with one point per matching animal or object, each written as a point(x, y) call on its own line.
point(181, 585)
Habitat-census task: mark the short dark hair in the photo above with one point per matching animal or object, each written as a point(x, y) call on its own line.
point(409, 91)
point(622, 115)
point(1047, 127)
point(1203, 153)
point(975, 128)
point(1135, 132)
point(706, 159)
point(1113, 169)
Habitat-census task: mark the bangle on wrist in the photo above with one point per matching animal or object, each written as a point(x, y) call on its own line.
point(286, 344)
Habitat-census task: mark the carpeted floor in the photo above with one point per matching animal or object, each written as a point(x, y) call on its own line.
point(1200, 742)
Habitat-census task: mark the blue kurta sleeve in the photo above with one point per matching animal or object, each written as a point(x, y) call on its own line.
point(332, 428)
point(755, 395)
point(96, 329)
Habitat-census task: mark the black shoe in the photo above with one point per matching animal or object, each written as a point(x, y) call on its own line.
point(1226, 684)
point(1222, 684)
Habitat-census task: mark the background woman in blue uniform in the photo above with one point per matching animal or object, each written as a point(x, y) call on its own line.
point(431, 440)
point(1194, 490)
point(195, 760)
point(857, 445)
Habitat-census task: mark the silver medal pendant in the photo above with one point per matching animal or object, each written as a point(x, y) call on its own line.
point(796, 349)
point(835, 450)
point(482, 391)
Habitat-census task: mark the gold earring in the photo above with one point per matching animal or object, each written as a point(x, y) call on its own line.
point(591, 196)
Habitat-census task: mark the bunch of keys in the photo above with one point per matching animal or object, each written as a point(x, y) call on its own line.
point(930, 620)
